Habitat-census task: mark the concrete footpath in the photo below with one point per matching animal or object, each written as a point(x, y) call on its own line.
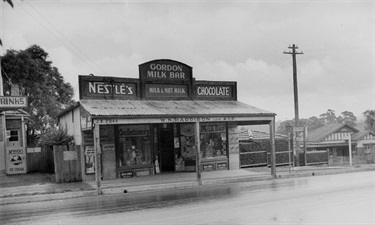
point(40, 187)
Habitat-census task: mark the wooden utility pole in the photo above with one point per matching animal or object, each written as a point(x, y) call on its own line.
point(296, 147)
point(294, 53)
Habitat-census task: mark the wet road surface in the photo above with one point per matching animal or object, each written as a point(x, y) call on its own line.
point(332, 199)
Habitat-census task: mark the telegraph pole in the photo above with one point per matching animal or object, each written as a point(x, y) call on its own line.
point(296, 138)
point(294, 53)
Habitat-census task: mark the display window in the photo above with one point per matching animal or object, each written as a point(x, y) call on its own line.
point(134, 145)
point(213, 140)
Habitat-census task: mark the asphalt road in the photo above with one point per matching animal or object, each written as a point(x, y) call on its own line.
point(332, 199)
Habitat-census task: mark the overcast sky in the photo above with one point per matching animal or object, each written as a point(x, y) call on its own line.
point(239, 41)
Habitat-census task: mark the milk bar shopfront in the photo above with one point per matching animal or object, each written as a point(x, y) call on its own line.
point(165, 121)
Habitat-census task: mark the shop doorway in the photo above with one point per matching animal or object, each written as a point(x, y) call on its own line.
point(166, 149)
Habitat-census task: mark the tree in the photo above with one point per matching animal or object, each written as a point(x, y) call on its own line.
point(46, 91)
point(348, 118)
point(370, 120)
point(314, 122)
point(329, 117)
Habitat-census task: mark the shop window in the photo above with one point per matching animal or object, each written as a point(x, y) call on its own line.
point(185, 159)
point(14, 135)
point(134, 146)
point(213, 140)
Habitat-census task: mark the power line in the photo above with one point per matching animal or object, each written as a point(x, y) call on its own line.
point(82, 55)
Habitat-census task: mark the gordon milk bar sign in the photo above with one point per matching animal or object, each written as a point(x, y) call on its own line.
point(165, 70)
point(13, 102)
point(165, 79)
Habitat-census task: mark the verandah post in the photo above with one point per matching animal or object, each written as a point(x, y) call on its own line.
point(98, 175)
point(198, 151)
point(272, 139)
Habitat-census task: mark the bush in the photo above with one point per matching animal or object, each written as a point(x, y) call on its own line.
point(282, 158)
point(56, 136)
point(253, 159)
point(251, 147)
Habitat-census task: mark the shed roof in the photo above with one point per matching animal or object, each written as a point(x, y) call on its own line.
point(170, 108)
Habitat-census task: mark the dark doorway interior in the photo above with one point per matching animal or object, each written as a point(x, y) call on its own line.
point(166, 149)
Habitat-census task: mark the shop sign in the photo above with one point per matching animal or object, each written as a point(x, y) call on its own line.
point(86, 123)
point(13, 102)
point(126, 174)
point(213, 128)
point(106, 121)
point(166, 90)
point(208, 167)
point(165, 70)
point(16, 160)
point(89, 159)
point(88, 138)
point(194, 119)
point(221, 166)
point(213, 91)
point(93, 87)
point(133, 131)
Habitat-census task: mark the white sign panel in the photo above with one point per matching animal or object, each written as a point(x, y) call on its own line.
point(16, 160)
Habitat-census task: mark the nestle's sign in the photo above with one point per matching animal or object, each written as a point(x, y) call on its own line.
point(13, 102)
point(165, 70)
point(92, 87)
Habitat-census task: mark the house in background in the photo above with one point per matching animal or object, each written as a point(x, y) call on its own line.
point(249, 135)
point(255, 148)
point(335, 138)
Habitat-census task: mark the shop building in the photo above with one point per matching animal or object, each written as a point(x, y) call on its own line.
point(165, 121)
point(13, 144)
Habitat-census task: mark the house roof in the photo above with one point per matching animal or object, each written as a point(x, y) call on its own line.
point(359, 135)
point(149, 108)
point(250, 135)
point(320, 133)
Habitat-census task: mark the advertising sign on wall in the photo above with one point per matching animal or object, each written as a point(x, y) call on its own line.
point(16, 160)
point(215, 90)
point(89, 159)
point(165, 90)
point(165, 70)
point(13, 102)
point(92, 87)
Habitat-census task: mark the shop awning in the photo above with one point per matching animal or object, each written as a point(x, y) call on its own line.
point(148, 108)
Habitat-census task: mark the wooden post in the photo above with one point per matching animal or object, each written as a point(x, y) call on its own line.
point(198, 151)
point(350, 149)
point(289, 151)
point(273, 149)
point(304, 144)
point(98, 174)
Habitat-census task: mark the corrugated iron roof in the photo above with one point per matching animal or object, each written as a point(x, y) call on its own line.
point(170, 108)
